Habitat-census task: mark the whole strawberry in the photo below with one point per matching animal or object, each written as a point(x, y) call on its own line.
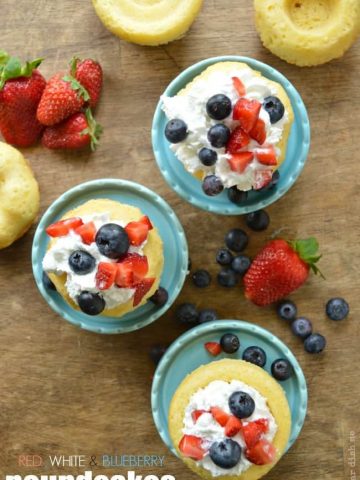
point(280, 268)
point(21, 88)
point(78, 131)
point(89, 74)
point(63, 96)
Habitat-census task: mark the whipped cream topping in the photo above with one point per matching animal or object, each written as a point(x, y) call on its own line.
point(56, 261)
point(191, 108)
point(217, 394)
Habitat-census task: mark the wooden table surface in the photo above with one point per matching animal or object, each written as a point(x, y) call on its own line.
point(66, 391)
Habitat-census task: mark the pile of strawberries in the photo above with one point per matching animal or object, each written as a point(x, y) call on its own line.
point(58, 111)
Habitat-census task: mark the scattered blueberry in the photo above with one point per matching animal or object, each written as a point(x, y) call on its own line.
point(176, 130)
point(48, 284)
point(315, 343)
point(273, 182)
point(258, 220)
point(236, 240)
point(207, 156)
point(255, 355)
point(281, 369)
point(274, 107)
point(237, 196)
point(201, 278)
point(241, 404)
point(227, 278)
point(218, 135)
point(91, 303)
point(156, 353)
point(218, 107)
point(207, 315)
point(230, 343)
point(81, 262)
point(187, 314)
point(224, 256)
point(225, 454)
point(287, 310)
point(337, 308)
point(212, 185)
point(112, 240)
point(160, 297)
point(241, 264)
point(301, 327)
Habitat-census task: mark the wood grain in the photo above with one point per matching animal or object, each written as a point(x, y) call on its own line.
point(69, 391)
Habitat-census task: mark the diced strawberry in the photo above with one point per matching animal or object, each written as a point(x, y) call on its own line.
point(124, 275)
point(239, 86)
point(142, 289)
point(238, 140)
point(247, 112)
point(196, 414)
point(63, 227)
point(252, 431)
point(262, 453)
point(258, 132)
point(233, 426)
point(137, 232)
point(139, 265)
point(266, 155)
point(239, 161)
point(191, 447)
point(214, 348)
point(87, 232)
point(146, 221)
point(105, 275)
point(262, 178)
point(219, 415)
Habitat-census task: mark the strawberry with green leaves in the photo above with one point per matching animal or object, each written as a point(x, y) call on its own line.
point(280, 268)
point(90, 75)
point(21, 88)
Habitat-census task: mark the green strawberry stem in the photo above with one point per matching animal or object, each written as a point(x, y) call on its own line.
point(308, 252)
point(11, 67)
point(93, 129)
point(76, 85)
point(73, 65)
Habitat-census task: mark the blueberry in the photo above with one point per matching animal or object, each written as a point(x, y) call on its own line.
point(212, 185)
point(207, 156)
point(281, 369)
point(241, 404)
point(274, 107)
point(156, 353)
point(227, 278)
point(81, 262)
point(224, 256)
point(273, 182)
point(337, 308)
point(230, 343)
point(201, 278)
point(219, 107)
point(315, 343)
point(48, 284)
point(255, 355)
point(207, 315)
point(218, 135)
point(225, 454)
point(91, 303)
point(301, 327)
point(241, 264)
point(112, 240)
point(237, 196)
point(258, 220)
point(160, 297)
point(187, 314)
point(287, 310)
point(236, 240)
point(176, 130)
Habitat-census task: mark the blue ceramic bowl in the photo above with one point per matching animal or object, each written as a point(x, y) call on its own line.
point(189, 188)
point(164, 219)
point(188, 353)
